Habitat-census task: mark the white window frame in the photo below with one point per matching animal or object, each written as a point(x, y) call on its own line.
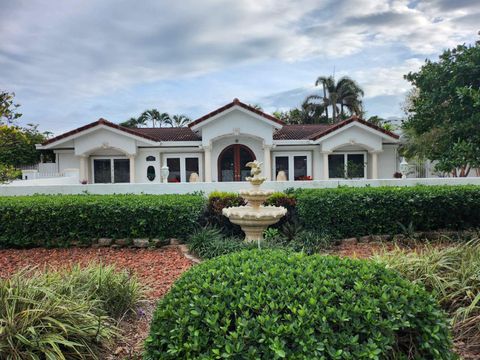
point(345, 161)
point(112, 170)
point(182, 157)
point(291, 155)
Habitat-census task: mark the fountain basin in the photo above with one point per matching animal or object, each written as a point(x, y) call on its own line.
point(255, 197)
point(254, 221)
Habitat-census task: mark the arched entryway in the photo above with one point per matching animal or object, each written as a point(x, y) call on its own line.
point(231, 163)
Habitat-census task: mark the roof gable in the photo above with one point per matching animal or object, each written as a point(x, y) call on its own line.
point(324, 132)
point(215, 113)
point(100, 122)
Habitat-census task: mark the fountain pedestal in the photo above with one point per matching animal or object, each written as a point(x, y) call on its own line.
point(254, 218)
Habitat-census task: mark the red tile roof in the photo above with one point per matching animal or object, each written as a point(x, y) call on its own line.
point(287, 132)
point(341, 124)
point(100, 121)
point(236, 102)
point(299, 132)
point(169, 134)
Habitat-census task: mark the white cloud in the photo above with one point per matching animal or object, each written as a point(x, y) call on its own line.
point(62, 52)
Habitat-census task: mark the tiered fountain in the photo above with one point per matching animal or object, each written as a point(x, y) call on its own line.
point(255, 218)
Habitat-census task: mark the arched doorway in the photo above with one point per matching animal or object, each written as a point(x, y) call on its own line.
point(231, 163)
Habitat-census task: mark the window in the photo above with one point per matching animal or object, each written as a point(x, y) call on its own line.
point(281, 164)
point(347, 165)
point(182, 166)
point(111, 170)
point(296, 165)
point(174, 169)
point(191, 166)
point(151, 158)
point(151, 173)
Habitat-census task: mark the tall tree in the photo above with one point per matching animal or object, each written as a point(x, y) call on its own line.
point(344, 97)
point(154, 117)
point(17, 145)
point(443, 122)
point(8, 108)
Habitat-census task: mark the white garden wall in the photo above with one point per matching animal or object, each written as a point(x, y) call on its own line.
point(42, 187)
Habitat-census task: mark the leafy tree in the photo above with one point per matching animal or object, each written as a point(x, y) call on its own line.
point(343, 97)
point(443, 122)
point(8, 109)
point(381, 122)
point(306, 114)
point(17, 145)
point(8, 173)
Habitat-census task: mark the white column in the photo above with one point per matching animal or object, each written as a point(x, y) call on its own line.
point(83, 168)
point(132, 168)
point(325, 164)
point(374, 164)
point(208, 163)
point(267, 162)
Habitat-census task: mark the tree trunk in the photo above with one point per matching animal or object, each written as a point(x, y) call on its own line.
point(325, 100)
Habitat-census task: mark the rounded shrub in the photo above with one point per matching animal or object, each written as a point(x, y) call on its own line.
point(274, 304)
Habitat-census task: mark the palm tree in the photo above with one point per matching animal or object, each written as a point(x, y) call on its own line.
point(178, 121)
point(345, 93)
point(130, 123)
point(154, 116)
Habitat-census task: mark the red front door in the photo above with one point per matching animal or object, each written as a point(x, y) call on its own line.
point(232, 161)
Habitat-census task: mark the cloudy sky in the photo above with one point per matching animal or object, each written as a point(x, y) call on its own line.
point(71, 62)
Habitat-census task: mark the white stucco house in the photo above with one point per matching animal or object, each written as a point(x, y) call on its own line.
point(217, 146)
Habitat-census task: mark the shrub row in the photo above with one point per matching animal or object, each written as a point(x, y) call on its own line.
point(274, 304)
point(345, 212)
point(57, 220)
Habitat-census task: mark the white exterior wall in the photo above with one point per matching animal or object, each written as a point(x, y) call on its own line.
point(40, 186)
point(353, 135)
point(67, 160)
point(387, 162)
point(93, 141)
point(237, 122)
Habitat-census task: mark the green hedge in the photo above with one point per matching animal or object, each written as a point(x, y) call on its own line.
point(345, 212)
point(56, 220)
point(274, 304)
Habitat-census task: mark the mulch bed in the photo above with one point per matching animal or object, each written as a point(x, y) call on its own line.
point(156, 268)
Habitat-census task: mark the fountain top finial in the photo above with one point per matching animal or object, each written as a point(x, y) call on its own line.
point(255, 171)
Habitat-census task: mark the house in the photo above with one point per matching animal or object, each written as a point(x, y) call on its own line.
point(217, 146)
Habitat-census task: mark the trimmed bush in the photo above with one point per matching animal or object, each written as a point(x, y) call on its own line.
point(346, 212)
point(218, 200)
point(41, 220)
point(273, 304)
point(64, 314)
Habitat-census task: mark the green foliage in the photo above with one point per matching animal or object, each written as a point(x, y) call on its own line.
point(346, 212)
point(273, 304)
point(8, 109)
point(156, 119)
point(63, 315)
point(444, 111)
point(8, 173)
point(17, 145)
point(117, 291)
point(209, 242)
point(451, 273)
point(218, 200)
point(43, 220)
